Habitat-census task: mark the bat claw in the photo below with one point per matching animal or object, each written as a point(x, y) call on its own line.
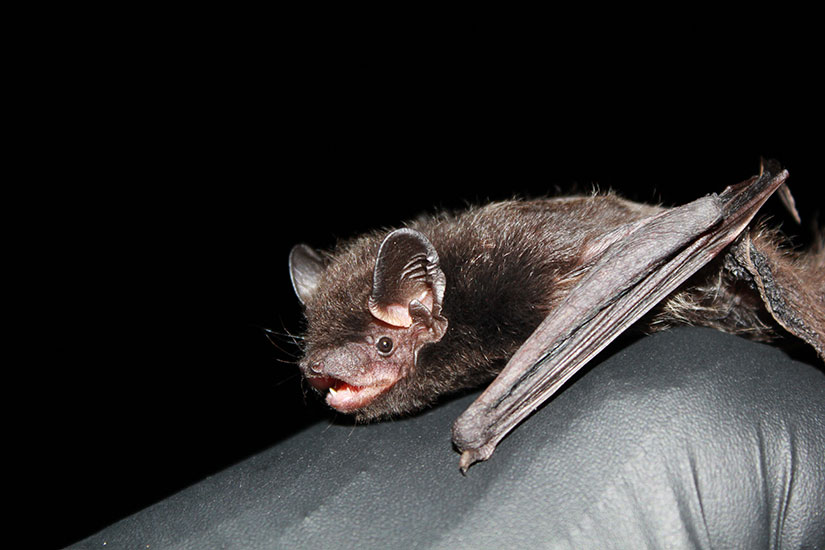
point(465, 462)
point(471, 456)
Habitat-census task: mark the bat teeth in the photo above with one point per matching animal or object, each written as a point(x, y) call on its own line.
point(333, 391)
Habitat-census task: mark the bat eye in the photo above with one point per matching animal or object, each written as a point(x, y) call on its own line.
point(384, 345)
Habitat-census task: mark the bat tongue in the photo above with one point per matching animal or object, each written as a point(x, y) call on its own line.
point(630, 277)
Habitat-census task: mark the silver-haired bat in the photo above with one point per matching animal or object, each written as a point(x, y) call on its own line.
point(397, 319)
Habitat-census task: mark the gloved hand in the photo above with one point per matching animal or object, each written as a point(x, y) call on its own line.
point(686, 439)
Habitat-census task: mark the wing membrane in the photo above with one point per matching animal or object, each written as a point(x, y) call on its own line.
point(630, 277)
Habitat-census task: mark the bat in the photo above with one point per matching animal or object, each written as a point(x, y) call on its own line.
point(525, 293)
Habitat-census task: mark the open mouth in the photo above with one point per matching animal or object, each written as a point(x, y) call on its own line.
point(346, 397)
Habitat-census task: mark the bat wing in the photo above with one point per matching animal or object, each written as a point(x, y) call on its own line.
point(642, 266)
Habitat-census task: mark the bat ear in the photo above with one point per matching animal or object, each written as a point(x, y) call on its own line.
point(305, 268)
point(407, 283)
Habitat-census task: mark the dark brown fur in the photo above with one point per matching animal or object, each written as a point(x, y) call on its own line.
point(506, 266)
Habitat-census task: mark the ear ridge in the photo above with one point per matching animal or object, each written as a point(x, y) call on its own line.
point(406, 270)
point(305, 269)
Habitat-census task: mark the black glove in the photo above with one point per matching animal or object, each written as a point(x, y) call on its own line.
point(686, 439)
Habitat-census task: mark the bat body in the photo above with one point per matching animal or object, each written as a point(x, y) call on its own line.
point(397, 319)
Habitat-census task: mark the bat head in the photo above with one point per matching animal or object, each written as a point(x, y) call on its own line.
point(369, 312)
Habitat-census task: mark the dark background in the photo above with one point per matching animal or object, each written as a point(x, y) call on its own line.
point(152, 365)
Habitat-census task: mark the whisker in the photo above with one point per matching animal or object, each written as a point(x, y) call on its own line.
point(296, 338)
point(285, 334)
point(286, 379)
point(277, 338)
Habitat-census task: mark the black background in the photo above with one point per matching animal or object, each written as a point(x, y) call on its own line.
point(151, 366)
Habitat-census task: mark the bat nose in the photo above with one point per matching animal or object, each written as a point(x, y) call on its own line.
point(316, 367)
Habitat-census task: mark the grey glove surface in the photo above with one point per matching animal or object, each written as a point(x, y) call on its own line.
point(686, 439)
